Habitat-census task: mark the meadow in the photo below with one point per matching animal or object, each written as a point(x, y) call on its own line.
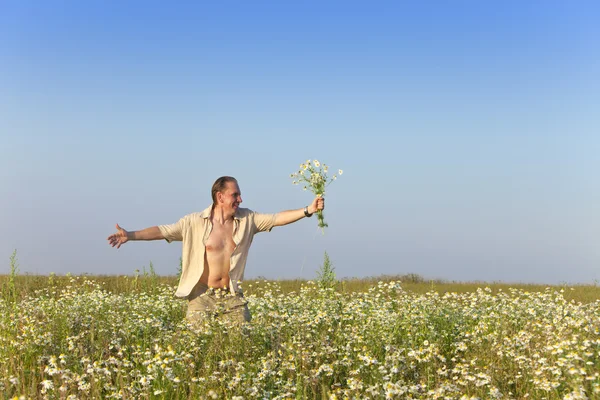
point(125, 337)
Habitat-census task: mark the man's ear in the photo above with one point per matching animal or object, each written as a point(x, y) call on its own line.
point(219, 197)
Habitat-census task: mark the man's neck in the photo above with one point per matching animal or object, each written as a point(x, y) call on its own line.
point(219, 215)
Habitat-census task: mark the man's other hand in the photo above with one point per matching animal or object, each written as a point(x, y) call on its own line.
point(118, 238)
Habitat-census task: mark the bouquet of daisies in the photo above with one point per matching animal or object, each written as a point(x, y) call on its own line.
point(313, 177)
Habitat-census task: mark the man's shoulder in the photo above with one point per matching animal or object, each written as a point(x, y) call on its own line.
point(243, 212)
point(195, 217)
point(204, 214)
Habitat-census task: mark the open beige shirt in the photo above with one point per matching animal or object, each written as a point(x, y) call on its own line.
point(194, 230)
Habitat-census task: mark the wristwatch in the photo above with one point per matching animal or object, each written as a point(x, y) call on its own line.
point(306, 214)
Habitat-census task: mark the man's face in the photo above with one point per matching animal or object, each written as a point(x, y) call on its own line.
point(231, 197)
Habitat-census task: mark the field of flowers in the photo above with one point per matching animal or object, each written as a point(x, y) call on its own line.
point(79, 340)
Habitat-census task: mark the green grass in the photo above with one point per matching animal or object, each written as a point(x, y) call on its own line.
point(126, 337)
point(25, 285)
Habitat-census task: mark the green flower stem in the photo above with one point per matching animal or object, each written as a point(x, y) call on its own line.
point(321, 219)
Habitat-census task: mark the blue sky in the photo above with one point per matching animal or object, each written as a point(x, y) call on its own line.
point(468, 133)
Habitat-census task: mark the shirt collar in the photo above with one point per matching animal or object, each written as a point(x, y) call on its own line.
point(206, 213)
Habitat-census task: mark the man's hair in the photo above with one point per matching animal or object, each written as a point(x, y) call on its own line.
point(219, 186)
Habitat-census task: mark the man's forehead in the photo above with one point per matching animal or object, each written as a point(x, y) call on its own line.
point(232, 186)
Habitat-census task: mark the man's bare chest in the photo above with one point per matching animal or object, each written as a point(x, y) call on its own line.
point(220, 239)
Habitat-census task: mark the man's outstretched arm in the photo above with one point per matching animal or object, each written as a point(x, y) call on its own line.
point(287, 217)
point(122, 236)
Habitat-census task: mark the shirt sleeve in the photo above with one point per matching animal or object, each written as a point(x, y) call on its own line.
point(174, 231)
point(264, 222)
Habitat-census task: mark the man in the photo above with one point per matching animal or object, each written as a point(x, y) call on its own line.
point(216, 242)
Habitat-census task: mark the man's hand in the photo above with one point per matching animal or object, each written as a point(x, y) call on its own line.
point(287, 217)
point(118, 238)
point(317, 204)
